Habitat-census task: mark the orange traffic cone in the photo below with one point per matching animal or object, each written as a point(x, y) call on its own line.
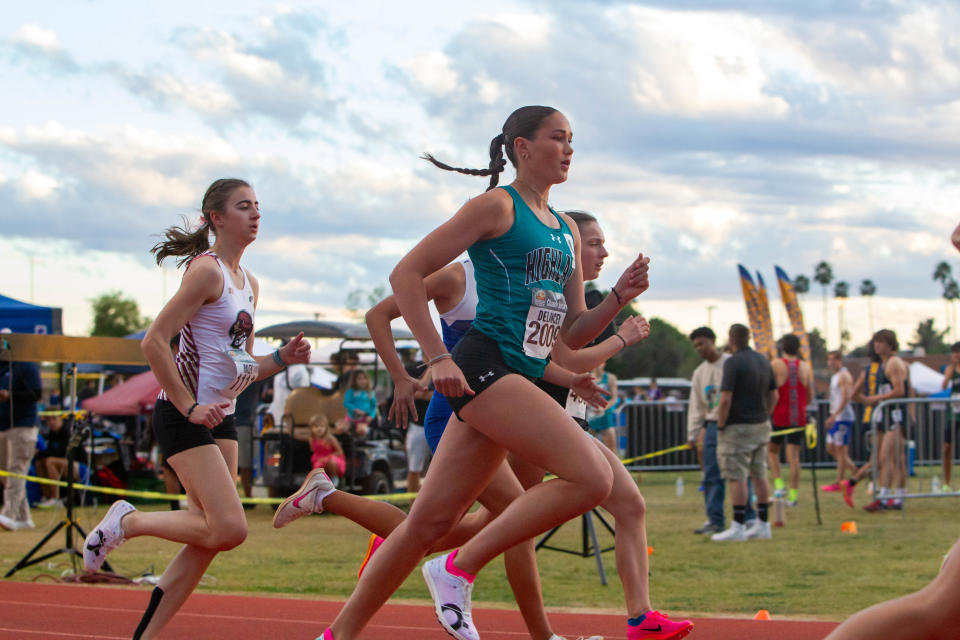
point(849, 527)
point(763, 614)
point(649, 551)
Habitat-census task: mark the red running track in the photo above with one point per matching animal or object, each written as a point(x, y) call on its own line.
point(49, 611)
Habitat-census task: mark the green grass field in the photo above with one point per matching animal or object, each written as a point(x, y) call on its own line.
point(807, 570)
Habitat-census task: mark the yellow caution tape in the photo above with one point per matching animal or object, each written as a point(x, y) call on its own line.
point(156, 495)
point(79, 413)
point(681, 447)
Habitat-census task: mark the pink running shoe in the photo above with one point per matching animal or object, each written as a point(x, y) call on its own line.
point(848, 493)
point(372, 546)
point(656, 626)
point(831, 487)
point(307, 499)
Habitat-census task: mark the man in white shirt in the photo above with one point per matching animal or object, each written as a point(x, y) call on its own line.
point(702, 426)
point(293, 377)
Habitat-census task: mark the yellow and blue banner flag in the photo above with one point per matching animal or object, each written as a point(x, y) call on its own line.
point(766, 321)
point(754, 313)
point(789, 296)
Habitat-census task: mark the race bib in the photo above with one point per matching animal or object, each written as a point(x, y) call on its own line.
point(576, 407)
point(246, 372)
point(546, 314)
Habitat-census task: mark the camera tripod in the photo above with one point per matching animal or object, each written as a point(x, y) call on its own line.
point(79, 432)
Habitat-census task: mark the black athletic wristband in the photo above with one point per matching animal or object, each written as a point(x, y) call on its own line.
point(617, 335)
point(190, 410)
point(614, 291)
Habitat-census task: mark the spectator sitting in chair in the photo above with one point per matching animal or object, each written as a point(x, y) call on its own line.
point(327, 454)
point(360, 403)
point(51, 462)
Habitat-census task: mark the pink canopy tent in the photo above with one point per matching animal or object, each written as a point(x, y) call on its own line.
point(134, 397)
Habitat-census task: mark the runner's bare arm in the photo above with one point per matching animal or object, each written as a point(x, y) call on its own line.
point(633, 330)
point(486, 216)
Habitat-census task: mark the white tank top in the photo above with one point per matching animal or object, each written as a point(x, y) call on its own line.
point(466, 309)
point(212, 361)
point(836, 398)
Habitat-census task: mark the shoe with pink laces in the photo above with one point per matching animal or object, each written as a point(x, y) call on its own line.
point(831, 487)
point(656, 626)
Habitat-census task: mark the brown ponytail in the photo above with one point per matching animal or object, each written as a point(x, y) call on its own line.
point(186, 244)
point(522, 123)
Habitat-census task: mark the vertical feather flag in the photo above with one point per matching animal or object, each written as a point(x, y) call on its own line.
point(752, 299)
point(789, 296)
point(769, 344)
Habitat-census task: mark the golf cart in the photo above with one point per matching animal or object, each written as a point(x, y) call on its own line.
point(375, 462)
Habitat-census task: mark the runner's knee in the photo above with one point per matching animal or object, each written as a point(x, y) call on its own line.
point(229, 534)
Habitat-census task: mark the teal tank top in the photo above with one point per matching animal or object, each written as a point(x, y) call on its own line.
point(520, 278)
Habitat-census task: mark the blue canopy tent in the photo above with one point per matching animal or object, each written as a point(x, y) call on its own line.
point(22, 317)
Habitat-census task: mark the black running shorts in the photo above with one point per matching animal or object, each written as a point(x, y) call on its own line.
point(175, 433)
point(791, 438)
point(481, 362)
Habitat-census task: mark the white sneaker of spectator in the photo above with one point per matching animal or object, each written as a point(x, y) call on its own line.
point(15, 525)
point(49, 503)
point(736, 533)
point(758, 530)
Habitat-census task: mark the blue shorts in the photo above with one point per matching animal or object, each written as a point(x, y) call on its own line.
point(436, 418)
point(839, 433)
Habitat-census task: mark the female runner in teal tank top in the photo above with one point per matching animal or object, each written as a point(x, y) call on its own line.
point(501, 409)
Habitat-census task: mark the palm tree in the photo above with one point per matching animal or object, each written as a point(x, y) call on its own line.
point(841, 291)
point(801, 284)
point(942, 273)
point(823, 274)
point(868, 290)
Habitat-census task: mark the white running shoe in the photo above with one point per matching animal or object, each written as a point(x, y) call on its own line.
point(307, 499)
point(736, 533)
point(451, 599)
point(106, 536)
point(15, 525)
point(758, 530)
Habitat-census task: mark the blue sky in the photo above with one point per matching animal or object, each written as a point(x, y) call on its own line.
point(705, 134)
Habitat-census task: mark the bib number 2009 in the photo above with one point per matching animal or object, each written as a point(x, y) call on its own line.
point(547, 311)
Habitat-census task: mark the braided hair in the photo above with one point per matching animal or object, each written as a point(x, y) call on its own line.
point(522, 123)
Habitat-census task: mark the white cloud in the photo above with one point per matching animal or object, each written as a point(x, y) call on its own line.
point(432, 72)
point(33, 35)
point(37, 186)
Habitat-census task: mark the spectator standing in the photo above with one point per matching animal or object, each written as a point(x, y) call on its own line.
point(840, 421)
point(951, 381)
point(20, 392)
point(245, 416)
point(702, 426)
point(605, 422)
point(654, 392)
point(893, 381)
point(418, 450)
point(747, 391)
point(795, 383)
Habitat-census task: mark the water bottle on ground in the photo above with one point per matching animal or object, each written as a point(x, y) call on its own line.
point(935, 484)
point(679, 486)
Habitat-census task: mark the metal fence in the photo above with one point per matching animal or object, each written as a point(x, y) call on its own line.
point(653, 426)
